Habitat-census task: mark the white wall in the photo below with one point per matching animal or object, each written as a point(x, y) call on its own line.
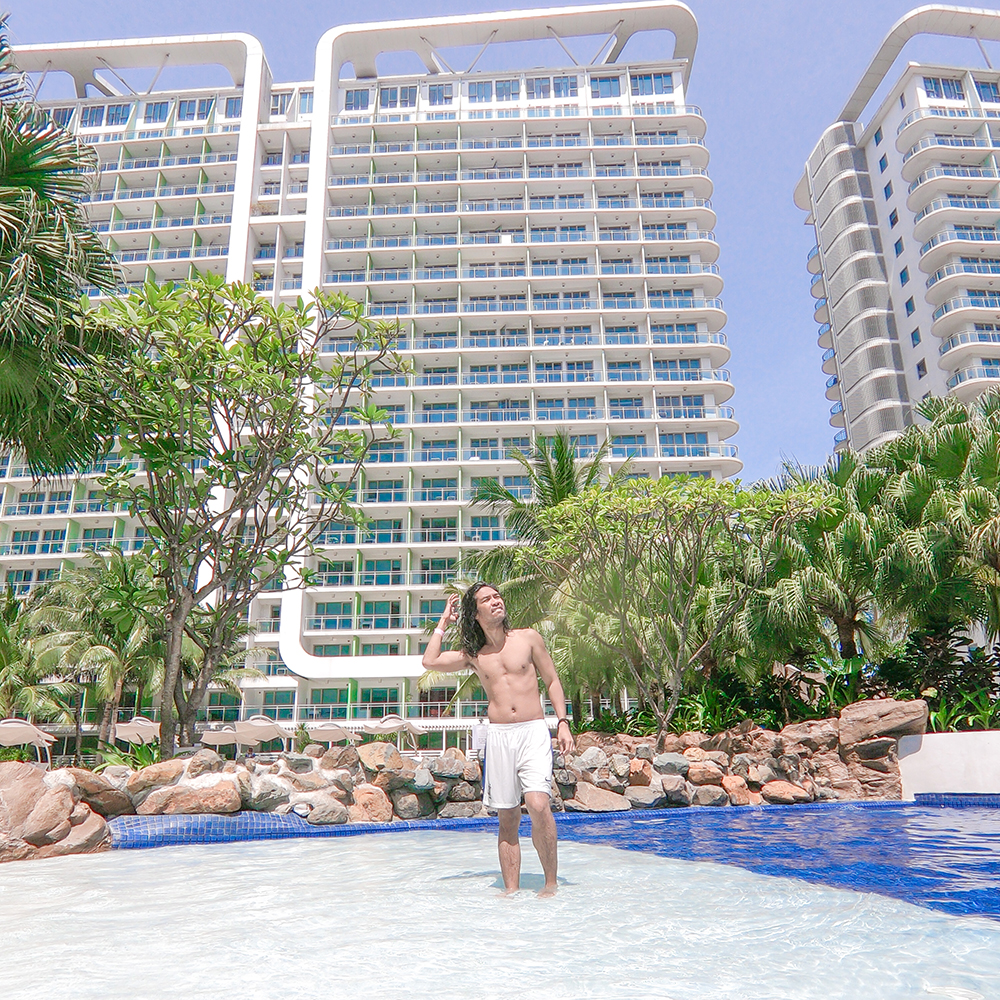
point(950, 762)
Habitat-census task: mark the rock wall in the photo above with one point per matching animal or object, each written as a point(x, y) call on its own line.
point(853, 756)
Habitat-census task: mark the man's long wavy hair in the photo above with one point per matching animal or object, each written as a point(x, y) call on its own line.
point(473, 637)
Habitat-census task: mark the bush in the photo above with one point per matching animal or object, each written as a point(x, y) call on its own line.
point(15, 753)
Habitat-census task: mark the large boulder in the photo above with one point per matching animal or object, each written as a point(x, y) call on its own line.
point(640, 772)
point(644, 797)
point(736, 788)
point(829, 772)
point(373, 803)
point(591, 759)
point(337, 757)
point(590, 798)
point(882, 717)
point(472, 771)
point(21, 786)
point(784, 793)
point(325, 810)
point(222, 798)
point(676, 790)
point(412, 805)
point(459, 810)
point(710, 795)
point(205, 761)
point(816, 736)
point(378, 756)
point(463, 791)
point(874, 764)
point(704, 772)
point(161, 775)
point(49, 820)
point(88, 834)
point(310, 781)
point(391, 779)
point(447, 767)
point(103, 797)
point(423, 780)
point(671, 763)
point(265, 792)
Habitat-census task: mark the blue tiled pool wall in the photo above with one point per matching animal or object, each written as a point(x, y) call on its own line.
point(942, 851)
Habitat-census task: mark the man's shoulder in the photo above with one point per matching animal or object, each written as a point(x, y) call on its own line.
point(524, 633)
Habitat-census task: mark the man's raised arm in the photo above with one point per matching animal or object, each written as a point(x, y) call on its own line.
point(450, 660)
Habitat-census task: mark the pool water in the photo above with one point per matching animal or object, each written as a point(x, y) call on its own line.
point(418, 914)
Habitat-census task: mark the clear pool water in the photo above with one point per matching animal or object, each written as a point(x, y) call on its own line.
point(418, 915)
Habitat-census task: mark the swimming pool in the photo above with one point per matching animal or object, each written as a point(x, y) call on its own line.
point(418, 915)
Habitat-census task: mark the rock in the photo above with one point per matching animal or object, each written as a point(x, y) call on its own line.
point(811, 737)
point(718, 757)
point(671, 763)
point(117, 775)
point(677, 791)
point(784, 793)
point(447, 767)
point(339, 757)
point(316, 750)
point(423, 780)
point(736, 787)
point(882, 717)
point(874, 753)
point(761, 774)
point(341, 778)
point(378, 756)
point(644, 797)
point(788, 764)
point(591, 759)
point(455, 753)
point(644, 752)
point(756, 798)
point(874, 765)
point(220, 798)
point(266, 793)
point(710, 795)
point(459, 810)
point(309, 782)
point(604, 777)
point(412, 805)
point(205, 761)
point(829, 771)
point(373, 803)
point(463, 791)
point(670, 743)
point(297, 762)
point(472, 771)
point(740, 765)
point(695, 739)
point(391, 779)
point(439, 793)
point(640, 772)
point(619, 765)
point(326, 810)
point(704, 772)
point(87, 836)
point(49, 820)
point(766, 743)
point(590, 798)
point(166, 773)
point(694, 753)
point(21, 786)
point(103, 797)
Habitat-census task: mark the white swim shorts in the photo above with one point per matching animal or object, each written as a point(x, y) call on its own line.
point(518, 760)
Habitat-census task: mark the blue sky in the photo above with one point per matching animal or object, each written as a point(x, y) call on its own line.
point(769, 75)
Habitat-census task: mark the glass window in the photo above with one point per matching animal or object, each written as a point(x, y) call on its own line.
point(988, 92)
point(564, 86)
point(356, 100)
point(156, 112)
point(893, 219)
point(328, 649)
point(439, 93)
point(605, 86)
point(878, 136)
point(921, 369)
point(953, 90)
point(92, 117)
point(904, 276)
point(234, 107)
point(883, 163)
point(898, 246)
point(205, 106)
point(481, 91)
point(646, 84)
point(119, 114)
point(305, 102)
point(186, 111)
point(915, 337)
point(61, 116)
point(909, 307)
point(887, 191)
point(508, 90)
point(538, 88)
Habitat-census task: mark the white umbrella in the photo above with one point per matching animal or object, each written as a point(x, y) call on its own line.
point(18, 732)
point(226, 736)
point(330, 732)
point(392, 724)
point(260, 729)
point(138, 729)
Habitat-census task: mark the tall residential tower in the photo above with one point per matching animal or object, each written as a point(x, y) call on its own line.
point(543, 237)
point(906, 267)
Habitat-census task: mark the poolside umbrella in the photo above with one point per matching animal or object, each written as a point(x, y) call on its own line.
point(329, 732)
point(226, 736)
point(18, 732)
point(139, 729)
point(392, 724)
point(260, 729)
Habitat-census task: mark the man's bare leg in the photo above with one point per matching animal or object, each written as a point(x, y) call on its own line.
point(543, 836)
point(509, 848)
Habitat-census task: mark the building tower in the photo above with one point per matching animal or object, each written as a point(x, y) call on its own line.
point(543, 238)
point(906, 267)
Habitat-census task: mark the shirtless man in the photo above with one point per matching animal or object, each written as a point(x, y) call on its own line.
point(519, 746)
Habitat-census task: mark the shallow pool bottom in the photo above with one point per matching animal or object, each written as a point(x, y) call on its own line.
point(419, 915)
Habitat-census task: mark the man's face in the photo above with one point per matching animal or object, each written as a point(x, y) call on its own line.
point(490, 608)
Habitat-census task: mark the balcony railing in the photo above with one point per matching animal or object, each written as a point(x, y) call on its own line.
point(979, 235)
point(976, 337)
point(967, 302)
point(970, 374)
point(955, 171)
point(952, 269)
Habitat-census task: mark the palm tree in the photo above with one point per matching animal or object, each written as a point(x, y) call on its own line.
point(554, 474)
point(48, 253)
point(98, 622)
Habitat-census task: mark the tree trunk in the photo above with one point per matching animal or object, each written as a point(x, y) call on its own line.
point(577, 702)
point(78, 723)
point(105, 726)
point(116, 700)
point(845, 637)
point(176, 620)
point(595, 704)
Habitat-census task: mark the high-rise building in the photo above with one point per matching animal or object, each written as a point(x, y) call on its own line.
point(906, 267)
point(543, 237)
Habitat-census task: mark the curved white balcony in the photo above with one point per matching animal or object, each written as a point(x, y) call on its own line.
point(822, 312)
point(947, 212)
point(829, 362)
point(935, 252)
point(937, 181)
point(953, 121)
point(968, 383)
point(956, 148)
point(817, 286)
point(962, 349)
point(954, 313)
point(837, 418)
point(824, 336)
point(951, 278)
point(701, 457)
point(833, 387)
point(814, 263)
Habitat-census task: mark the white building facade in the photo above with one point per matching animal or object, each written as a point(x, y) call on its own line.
point(906, 267)
point(544, 240)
